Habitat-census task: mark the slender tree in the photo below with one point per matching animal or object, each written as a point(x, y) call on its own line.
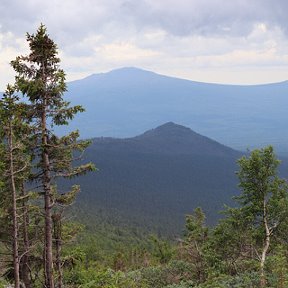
point(195, 240)
point(264, 198)
point(13, 130)
point(39, 77)
point(24, 263)
point(62, 202)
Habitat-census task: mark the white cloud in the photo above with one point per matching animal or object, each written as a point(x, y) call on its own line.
point(10, 47)
point(123, 51)
point(184, 38)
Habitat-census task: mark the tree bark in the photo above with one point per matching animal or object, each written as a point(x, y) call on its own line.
point(25, 271)
point(57, 217)
point(265, 247)
point(14, 211)
point(46, 181)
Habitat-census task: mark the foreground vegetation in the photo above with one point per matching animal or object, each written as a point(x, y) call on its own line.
point(40, 247)
point(248, 248)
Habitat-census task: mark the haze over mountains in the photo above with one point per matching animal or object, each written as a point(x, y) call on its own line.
point(125, 102)
point(168, 171)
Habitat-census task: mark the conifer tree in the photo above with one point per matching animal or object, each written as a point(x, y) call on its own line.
point(16, 163)
point(195, 240)
point(39, 78)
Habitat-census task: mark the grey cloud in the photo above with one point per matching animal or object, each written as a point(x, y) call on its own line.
point(182, 17)
point(16, 17)
point(69, 22)
point(214, 17)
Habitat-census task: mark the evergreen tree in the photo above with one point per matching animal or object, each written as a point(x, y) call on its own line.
point(13, 132)
point(39, 77)
point(195, 241)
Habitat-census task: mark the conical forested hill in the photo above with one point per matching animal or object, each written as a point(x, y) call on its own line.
point(154, 179)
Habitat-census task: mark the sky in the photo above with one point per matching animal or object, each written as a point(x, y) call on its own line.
point(216, 41)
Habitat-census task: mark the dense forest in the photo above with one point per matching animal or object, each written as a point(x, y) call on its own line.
point(44, 242)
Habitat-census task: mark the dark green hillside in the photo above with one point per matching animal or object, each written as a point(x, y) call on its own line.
point(154, 179)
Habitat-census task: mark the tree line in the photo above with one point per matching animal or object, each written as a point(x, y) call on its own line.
point(247, 248)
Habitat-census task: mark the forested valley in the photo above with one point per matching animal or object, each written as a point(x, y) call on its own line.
point(47, 240)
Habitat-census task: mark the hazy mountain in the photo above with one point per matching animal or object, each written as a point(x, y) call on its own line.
point(156, 178)
point(124, 102)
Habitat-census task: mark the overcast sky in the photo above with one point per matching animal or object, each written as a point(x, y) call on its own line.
point(220, 41)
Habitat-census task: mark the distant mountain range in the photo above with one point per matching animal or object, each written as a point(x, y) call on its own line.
point(154, 179)
point(127, 101)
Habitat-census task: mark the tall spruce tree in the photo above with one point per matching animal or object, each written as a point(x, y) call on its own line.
point(39, 78)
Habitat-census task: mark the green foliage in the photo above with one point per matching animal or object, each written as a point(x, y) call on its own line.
point(243, 280)
point(106, 254)
point(194, 248)
point(39, 78)
point(174, 272)
point(38, 157)
point(277, 265)
point(246, 238)
point(225, 256)
point(162, 250)
point(260, 184)
point(95, 278)
point(3, 283)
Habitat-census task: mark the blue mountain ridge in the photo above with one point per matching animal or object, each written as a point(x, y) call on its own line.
point(127, 101)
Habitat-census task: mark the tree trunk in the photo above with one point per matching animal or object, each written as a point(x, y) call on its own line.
point(25, 271)
point(46, 181)
point(265, 247)
point(58, 247)
point(14, 211)
point(262, 263)
point(48, 240)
